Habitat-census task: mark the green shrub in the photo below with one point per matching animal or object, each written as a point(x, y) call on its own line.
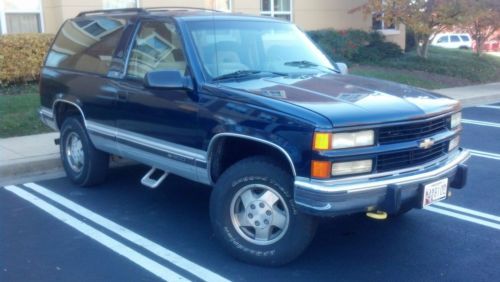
point(354, 45)
point(21, 56)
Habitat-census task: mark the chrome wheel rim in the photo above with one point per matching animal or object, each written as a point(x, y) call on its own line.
point(74, 152)
point(259, 214)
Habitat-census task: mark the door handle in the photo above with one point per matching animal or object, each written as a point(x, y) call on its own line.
point(122, 96)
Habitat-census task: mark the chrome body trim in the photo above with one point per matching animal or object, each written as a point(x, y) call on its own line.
point(375, 181)
point(59, 100)
point(219, 135)
point(47, 117)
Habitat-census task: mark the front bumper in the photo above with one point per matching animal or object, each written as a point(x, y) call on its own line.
point(384, 191)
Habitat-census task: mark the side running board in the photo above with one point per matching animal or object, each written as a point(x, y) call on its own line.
point(151, 178)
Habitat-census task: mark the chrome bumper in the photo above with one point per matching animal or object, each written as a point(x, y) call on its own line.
point(368, 192)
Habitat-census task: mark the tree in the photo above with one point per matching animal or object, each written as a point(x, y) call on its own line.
point(425, 17)
point(482, 20)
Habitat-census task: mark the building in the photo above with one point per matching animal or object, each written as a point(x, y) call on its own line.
point(47, 15)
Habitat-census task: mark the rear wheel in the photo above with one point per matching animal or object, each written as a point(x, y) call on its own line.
point(83, 163)
point(254, 216)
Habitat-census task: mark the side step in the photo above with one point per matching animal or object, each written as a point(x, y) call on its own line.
point(152, 181)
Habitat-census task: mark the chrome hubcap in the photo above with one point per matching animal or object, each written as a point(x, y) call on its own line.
point(259, 214)
point(74, 152)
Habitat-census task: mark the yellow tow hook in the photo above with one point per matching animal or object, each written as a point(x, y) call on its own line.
point(378, 215)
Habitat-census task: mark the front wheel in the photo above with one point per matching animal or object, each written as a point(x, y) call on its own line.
point(254, 216)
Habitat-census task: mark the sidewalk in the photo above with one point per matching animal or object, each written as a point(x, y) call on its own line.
point(474, 95)
point(38, 155)
point(29, 155)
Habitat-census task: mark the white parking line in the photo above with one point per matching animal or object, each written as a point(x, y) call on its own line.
point(135, 257)
point(468, 211)
point(484, 154)
point(133, 237)
point(463, 217)
point(489, 107)
point(482, 123)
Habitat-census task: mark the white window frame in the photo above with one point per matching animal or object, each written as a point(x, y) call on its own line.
point(383, 29)
point(137, 5)
point(3, 19)
point(230, 10)
point(273, 13)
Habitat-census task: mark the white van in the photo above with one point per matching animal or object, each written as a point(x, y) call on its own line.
point(452, 40)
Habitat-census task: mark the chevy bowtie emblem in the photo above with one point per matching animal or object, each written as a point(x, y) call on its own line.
point(426, 143)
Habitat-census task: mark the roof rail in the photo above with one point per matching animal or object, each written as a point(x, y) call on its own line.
point(111, 11)
point(179, 8)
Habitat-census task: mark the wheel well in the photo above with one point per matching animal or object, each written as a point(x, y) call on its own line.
point(62, 110)
point(229, 150)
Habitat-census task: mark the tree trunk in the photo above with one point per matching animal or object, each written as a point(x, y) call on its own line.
point(479, 46)
point(423, 47)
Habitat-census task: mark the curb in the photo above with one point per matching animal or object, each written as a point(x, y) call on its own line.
point(31, 166)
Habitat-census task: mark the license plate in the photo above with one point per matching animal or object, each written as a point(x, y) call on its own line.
point(435, 192)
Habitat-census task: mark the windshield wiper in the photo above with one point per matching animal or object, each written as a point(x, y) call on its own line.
point(308, 64)
point(246, 73)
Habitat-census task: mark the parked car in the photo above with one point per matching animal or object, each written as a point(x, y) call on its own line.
point(452, 40)
point(250, 106)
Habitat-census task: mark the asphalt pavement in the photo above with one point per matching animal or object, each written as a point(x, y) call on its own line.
point(52, 230)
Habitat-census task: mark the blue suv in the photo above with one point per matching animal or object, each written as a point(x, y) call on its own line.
point(250, 106)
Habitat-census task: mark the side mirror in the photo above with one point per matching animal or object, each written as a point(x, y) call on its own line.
point(167, 79)
point(343, 68)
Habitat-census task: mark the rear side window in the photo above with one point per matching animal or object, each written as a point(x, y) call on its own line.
point(454, 38)
point(86, 44)
point(157, 46)
point(465, 38)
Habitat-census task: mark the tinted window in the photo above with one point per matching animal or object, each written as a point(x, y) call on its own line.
point(86, 44)
point(157, 46)
point(454, 38)
point(443, 39)
point(465, 38)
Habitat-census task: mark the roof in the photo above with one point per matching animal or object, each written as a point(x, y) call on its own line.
point(175, 12)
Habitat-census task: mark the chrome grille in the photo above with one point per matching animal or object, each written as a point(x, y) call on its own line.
point(413, 131)
point(409, 158)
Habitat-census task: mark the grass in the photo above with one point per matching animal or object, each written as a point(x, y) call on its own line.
point(444, 68)
point(18, 111)
point(397, 76)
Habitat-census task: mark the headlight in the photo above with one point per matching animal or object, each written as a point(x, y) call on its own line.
point(455, 120)
point(327, 169)
point(354, 167)
point(328, 141)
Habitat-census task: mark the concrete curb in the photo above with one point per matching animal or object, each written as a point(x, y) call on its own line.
point(31, 166)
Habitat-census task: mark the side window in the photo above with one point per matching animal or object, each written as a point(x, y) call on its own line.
point(443, 39)
point(454, 38)
point(157, 46)
point(465, 38)
point(86, 44)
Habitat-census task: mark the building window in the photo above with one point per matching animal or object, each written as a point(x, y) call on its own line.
point(379, 22)
point(21, 16)
point(119, 4)
point(276, 8)
point(222, 5)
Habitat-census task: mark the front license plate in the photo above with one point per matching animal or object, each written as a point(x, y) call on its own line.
point(435, 192)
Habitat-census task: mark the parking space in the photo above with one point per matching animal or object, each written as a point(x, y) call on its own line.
point(121, 231)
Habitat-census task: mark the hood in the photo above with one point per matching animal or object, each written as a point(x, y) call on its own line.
point(349, 100)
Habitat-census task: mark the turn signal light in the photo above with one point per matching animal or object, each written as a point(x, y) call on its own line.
point(322, 141)
point(321, 169)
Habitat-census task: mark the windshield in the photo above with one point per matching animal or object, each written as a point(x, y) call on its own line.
point(242, 48)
